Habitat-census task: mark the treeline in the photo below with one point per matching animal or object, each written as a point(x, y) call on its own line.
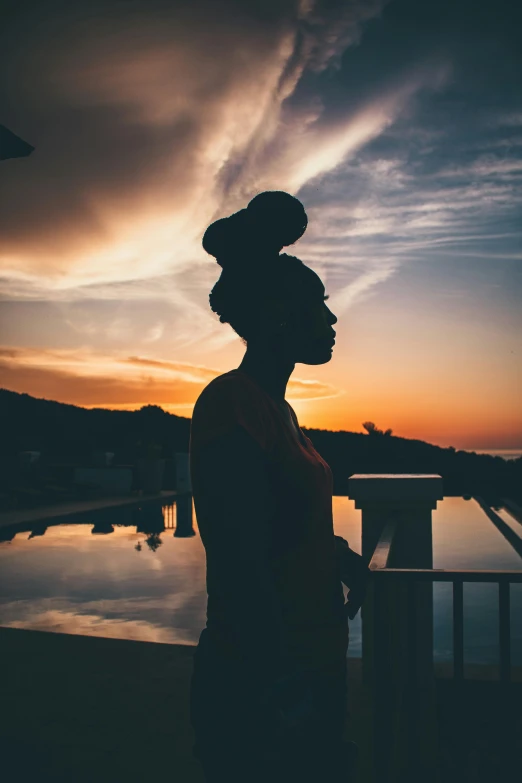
point(58, 430)
point(464, 472)
point(68, 431)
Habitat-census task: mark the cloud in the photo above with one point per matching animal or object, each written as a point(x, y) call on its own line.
point(300, 390)
point(151, 132)
point(394, 204)
point(306, 146)
point(150, 119)
point(331, 27)
point(140, 118)
point(486, 166)
point(510, 119)
point(362, 285)
point(110, 380)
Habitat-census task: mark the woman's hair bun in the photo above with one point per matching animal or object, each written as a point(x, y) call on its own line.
point(272, 220)
point(280, 214)
point(226, 237)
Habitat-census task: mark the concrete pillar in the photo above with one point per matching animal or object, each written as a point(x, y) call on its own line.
point(404, 699)
point(410, 498)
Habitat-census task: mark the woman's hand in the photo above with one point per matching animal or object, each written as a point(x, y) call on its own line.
point(356, 598)
point(354, 574)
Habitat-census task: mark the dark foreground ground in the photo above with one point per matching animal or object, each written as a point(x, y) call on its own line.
point(86, 709)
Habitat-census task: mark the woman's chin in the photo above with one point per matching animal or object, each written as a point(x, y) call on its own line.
point(322, 356)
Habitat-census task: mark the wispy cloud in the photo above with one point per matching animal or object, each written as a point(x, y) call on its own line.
point(114, 380)
point(154, 114)
point(486, 166)
point(362, 285)
point(195, 147)
point(509, 119)
point(379, 212)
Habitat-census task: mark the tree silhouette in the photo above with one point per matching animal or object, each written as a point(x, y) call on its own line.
point(372, 429)
point(152, 410)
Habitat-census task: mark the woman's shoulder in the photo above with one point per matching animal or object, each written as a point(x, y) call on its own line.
point(228, 385)
point(227, 401)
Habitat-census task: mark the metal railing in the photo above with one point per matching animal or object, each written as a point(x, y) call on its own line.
point(380, 569)
point(398, 657)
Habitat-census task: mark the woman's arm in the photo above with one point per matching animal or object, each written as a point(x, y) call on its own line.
point(354, 574)
point(236, 507)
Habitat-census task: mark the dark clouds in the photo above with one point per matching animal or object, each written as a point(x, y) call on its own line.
point(123, 101)
point(87, 83)
point(184, 109)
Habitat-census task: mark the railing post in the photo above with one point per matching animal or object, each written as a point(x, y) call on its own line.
point(184, 527)
point(397, 625)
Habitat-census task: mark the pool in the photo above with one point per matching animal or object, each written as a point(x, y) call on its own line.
point(138, 572)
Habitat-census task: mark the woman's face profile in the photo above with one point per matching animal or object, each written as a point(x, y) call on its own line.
point(311, 337)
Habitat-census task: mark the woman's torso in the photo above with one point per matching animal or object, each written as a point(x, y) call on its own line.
point(304, 560)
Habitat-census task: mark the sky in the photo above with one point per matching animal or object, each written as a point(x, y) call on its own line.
point(397, 123)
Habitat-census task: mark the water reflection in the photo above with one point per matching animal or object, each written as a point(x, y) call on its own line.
point(184, 517)
point(101, 528)
point(509, 519)
point(138, 572)
point(145, 580)
point(464, 537)
point(149, 520)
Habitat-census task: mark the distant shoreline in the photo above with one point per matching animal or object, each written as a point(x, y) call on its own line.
point(504, 453)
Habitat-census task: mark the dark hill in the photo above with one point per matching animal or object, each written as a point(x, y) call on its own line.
point(59, 430)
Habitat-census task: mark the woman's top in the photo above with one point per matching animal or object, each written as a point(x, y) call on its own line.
point(303, 552)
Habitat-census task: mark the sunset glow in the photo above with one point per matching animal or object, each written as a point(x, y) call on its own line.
point(403, 143)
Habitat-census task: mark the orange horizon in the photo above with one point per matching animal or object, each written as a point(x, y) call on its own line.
point(436, 404)
point(325, 421)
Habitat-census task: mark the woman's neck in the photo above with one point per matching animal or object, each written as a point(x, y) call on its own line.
point(268, 369)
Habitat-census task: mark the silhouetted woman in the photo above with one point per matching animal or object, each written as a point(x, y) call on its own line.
point(268, 691)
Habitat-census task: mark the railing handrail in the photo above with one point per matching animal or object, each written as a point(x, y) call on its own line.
point(457, 577)
point(398, 658)
point(382, 551)
point(450, 575)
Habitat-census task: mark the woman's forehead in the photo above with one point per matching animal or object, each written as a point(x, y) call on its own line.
point(309, 285)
